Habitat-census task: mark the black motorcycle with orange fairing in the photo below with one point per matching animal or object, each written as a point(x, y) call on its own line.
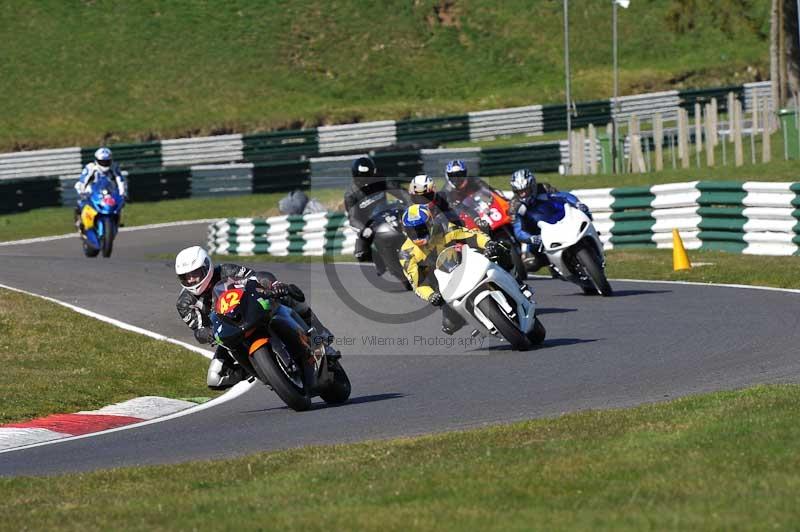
point(273, 344)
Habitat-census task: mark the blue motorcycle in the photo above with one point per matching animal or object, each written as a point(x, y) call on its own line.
point(100, 212)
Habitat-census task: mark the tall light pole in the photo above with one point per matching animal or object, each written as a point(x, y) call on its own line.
point(569, 98)
point(615, 111)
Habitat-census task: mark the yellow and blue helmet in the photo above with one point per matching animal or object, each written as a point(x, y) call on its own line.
point(417, 224)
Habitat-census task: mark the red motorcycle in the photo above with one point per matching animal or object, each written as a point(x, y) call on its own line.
point(487, 210)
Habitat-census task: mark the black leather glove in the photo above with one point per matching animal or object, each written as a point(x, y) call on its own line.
point(279, 289)
point(491, 249)
point(436, 299)
point(204, 335)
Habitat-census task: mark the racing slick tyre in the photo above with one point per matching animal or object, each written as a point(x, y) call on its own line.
point(88, 250)
point(591, 266)
point(269, 371)
point(537, 334)
point(107, 242)
point(507, 328)
point(338, 391)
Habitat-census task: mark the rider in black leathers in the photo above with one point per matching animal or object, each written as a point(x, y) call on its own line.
point(195, 310)
point(360, 205)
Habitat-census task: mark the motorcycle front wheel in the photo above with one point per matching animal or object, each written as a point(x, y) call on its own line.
point(591, 267)
point(338, 391)
point(507, 328)
point(271, 371)
point(107, 242)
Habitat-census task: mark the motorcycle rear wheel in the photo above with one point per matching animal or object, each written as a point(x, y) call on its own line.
point(507, 328)
point(268, 371)
point(591, 266)
point(89, 251)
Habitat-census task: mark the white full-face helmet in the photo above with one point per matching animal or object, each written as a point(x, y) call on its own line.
point(422, 188)
point(194, 269)
point(103, 158)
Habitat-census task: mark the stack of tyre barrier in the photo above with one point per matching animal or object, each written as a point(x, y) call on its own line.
point(308, 234)
point(757, 218)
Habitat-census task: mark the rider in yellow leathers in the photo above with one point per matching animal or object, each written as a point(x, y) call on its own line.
point(418, 254)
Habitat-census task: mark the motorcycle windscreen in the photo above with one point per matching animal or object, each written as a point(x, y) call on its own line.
point(467, 270)
point(552, 211)
point(449, 259)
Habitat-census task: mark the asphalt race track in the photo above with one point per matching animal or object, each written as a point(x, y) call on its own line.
point(650, 343)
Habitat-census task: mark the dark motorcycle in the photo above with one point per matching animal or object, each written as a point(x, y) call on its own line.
point(273, 343)
point(388, 239)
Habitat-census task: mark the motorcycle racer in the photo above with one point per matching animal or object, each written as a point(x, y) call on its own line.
point(103, 164)
point(423, 192)
point(457, 185)
point(425, 240)
point(198, 275)
point(531, 207)
point(366, 193)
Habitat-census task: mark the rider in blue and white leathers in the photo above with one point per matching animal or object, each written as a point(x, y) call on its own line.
point(103, 164)
point(531, 206)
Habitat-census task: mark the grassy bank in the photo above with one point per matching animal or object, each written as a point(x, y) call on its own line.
point(81, 363)
point(135, 71)
point(724, 461)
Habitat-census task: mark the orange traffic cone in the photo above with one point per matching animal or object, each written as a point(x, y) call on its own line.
point(680, 260)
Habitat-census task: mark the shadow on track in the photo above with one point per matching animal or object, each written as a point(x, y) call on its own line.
point(618, 293)
point(551, 310)
point(556, 342)
point(322, 405)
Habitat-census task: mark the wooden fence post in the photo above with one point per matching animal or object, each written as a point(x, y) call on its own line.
point(698, 133)
point(709, 136)
point(592, 150)
point(737, 133)
point(683, 137)
point(658, 138)
point(766, 148)
point(715, 121)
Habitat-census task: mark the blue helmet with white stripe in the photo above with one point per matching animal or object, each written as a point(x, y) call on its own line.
point(417, 224)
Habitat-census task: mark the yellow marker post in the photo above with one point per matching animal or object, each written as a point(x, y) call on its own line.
point(680, 260)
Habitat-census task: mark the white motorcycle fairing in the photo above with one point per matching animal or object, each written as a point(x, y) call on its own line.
point(466, 278)
point(559, 236)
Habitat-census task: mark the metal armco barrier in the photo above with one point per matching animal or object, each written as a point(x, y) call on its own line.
point(369, 136)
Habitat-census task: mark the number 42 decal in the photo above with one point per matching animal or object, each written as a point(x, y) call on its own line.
point(229, 300)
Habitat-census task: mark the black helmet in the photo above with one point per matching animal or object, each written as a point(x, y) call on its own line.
point(363, 171)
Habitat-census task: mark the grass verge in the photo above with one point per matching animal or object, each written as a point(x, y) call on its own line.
point(58, 220)
point(717, 267)
point(81, 363)
point(715, 462)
